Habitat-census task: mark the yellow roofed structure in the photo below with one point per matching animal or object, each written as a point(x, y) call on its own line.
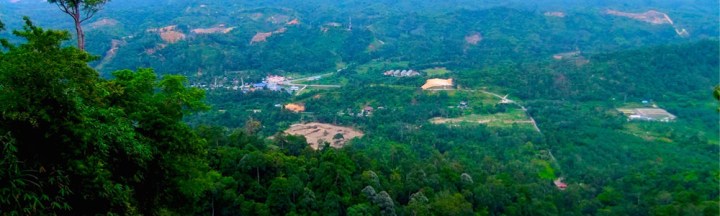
point(437, 83)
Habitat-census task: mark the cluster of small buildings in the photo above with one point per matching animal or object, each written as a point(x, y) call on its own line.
point(271, 82)
point(366, 111)
point(648, 114)
point(402, 73)
point(462, 105)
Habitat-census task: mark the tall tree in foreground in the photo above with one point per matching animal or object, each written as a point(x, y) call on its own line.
point(80, 11)
point(72, 143)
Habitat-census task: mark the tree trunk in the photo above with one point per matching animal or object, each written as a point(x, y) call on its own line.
point(80, 35)
point(78, 29)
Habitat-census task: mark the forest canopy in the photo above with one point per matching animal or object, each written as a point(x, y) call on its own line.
point(176, 109)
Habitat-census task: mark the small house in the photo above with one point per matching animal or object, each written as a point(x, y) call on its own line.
point(560, 184)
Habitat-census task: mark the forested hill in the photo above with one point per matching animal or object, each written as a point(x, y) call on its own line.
point(466, 34)
point(662, 73)
point(553, 107)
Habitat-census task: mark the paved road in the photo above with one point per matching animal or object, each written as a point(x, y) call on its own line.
point(291, 82)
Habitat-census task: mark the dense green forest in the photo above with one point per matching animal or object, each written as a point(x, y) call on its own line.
point(138, 134)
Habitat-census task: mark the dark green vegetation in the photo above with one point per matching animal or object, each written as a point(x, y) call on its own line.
point(137, 143)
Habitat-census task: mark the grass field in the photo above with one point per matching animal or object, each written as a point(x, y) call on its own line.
point(436, 71)
point(643, 130)
point(382, 66)
point(507, 119)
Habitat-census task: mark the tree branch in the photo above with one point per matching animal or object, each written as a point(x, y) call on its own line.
point(63, 7)
point(88, 14)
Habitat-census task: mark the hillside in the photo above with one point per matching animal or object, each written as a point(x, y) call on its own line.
point(320, 107)
point(320, 41)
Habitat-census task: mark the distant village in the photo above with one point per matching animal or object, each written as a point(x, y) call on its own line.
point(269, 83)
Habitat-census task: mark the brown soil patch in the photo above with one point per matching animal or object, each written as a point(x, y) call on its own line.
point(437, 83)
point(103, 23)
point(293, 22)
point(650, 16)
point(217, 29)
point(473, 39)
point(155, 49)
point(295, 107)
point(169, 33)
point(112, 52)
point(260, 37)
point(315, 132)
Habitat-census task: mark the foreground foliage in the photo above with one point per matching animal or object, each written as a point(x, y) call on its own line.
point(74, 143)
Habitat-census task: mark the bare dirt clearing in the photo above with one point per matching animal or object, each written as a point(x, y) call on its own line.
point(110, 54)
point(217, 29)
point(315, 133)
point(103, 23)
point(260, 37)
point(169, 34)
point(473, 38)
point(650, 16)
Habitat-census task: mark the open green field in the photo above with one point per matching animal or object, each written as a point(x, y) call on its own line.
point(381, 66)
point(649, 131)
point(506, 119)
point(431, 72)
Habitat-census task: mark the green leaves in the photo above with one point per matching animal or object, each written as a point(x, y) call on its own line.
point(716, 94)
point(82, 145)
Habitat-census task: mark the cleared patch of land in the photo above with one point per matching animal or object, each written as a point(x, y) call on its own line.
point(315, 133)
point(473, 38)
point(260, 37)
point(103, 23)
point(217, 29)
point(110, 54)
point(381, 66)
point(169, 34)
point(492, 120)
point(647, 114)
point(641, 130)
point(436, 71)
point(437, 84)
point(650, 16)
